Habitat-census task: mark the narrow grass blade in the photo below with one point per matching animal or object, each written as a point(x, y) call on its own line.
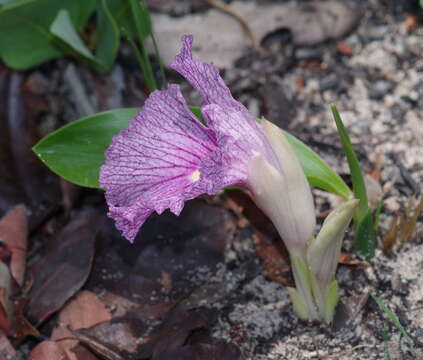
point(364, 237)
point(108, 37)
point(385, 342)
point(142, 23)
point(149, 79)
point(394, 319)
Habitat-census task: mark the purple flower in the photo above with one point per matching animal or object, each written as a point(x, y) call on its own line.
point(166, 157)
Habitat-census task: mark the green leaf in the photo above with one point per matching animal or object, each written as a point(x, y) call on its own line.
point(76, 151)
point(317, 171)
point(365, 240)
point(421, 3)
point(63, 28)
point(121, 12)
point(357, 179)
point(108, 37)
point(141, 19)
point(25, 39)
point(4, 3)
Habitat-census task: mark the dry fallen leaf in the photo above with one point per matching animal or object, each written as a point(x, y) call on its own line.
point(64, 267)
point(13, 233)
point(7, 308)
point(411, 22)
point(403, 226)
point(84, 311)
point(48, 350)
point(276, 259)
point(7, 351)
point(225, 41)
point(346, 259)
point(344, 48)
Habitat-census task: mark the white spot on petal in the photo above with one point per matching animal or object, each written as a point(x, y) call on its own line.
point(195, 176)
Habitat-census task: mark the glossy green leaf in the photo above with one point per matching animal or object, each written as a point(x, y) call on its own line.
point(25, 39)
point(108, 37)
point(76, 151)
point(63, 28)
point(317, 171)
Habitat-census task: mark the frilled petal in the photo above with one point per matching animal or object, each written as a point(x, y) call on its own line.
point(237, 131)
point(204, 77)
point(154, 164)
point(238, 140)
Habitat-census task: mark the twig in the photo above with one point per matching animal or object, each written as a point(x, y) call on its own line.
point(219, 4)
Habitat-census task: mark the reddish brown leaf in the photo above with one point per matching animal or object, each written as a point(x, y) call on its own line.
point(21, 327)
point(47, 350)
point(7, 308)
point(13, 233)
point(275, 259)
point(117, 339)
point(377, 170)
point(7, 351)
point(85, 311)
point(65, 266)
point(411, 22)
point(344, 48)
point(345, 259)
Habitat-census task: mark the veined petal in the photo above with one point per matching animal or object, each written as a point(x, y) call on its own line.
point(204, 77)
point(237, 132)
point(237, 139)
point(155, 163)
